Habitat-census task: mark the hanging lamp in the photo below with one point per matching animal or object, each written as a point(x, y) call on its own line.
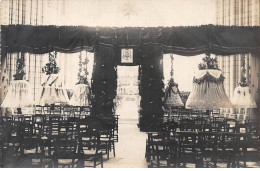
point(242, 97)
point(208, 91)
point(172, 94)
point(81, 92)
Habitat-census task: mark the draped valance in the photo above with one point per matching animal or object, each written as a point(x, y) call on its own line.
point(186, 41)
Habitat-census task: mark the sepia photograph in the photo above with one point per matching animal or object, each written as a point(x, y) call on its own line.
point(130, 84)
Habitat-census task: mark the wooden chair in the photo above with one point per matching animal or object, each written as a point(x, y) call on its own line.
point(30, 149)
point(66, 146)
point(89, 148)
point(208, 142)
point(5, 134)
point(67, 110)
point(11, 153)
point(249, 145)
point(116, 128)
point(161, 150)
point(227, 149)
point(47, 109)
point(39, 109)
point(56, 109)
point(76, 111)
point(107, 141)
point(187, 125)
point(65, 152)
point(188, 149)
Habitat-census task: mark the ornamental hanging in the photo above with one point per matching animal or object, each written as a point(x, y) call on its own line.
point(208, 92)
point(242, 95)
point(82, 90)
point(172, 94)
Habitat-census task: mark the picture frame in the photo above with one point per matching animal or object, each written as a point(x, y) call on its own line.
point(127, 56)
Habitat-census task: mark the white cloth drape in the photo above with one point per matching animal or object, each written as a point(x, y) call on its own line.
point(80, 96)
point(243, 98)
point(53, 91)
point(208, 95)
point(213, 72)
point(18, 95)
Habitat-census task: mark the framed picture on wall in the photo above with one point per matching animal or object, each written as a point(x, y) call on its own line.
point(127, 56)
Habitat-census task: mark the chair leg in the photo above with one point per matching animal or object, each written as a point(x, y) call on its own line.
point(114, 149)
point(158, 161)
point(107, 154)
point(95, 161)
point(55, 163)
point(101, 160)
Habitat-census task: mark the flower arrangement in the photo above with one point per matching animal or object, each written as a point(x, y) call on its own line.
point(51, 67)
point(208, 63)
point(243, 82)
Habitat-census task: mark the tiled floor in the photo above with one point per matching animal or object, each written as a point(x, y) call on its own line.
point(130, 149)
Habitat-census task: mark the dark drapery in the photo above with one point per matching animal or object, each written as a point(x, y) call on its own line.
point(187, 41)
point(151, 88)
point(148, 43)
point(104, 81)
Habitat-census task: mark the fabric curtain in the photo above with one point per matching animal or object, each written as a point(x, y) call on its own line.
point(151, 88)
point(186, 41)
point(104, 81)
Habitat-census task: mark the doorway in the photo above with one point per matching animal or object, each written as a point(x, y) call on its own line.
point(130, 148)
point(127, 99)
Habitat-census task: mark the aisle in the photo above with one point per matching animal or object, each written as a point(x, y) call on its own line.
point(130, 149)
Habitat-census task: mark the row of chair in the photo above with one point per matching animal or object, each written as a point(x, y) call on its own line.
point(63, 109)
point(212, 125)
point(56, 141)
point(181, 113)
point(204, 143)
point(203, 149)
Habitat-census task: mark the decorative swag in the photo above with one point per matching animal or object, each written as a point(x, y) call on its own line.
point(186, 41)
point(148, 45)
